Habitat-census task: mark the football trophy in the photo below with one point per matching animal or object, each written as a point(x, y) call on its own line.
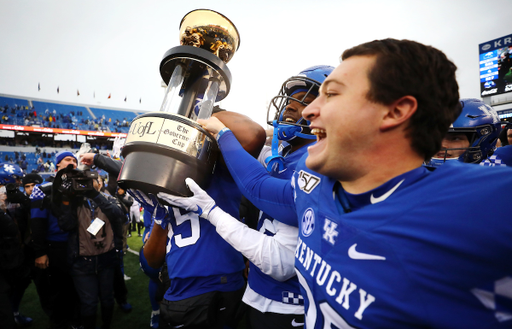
point(163, 148)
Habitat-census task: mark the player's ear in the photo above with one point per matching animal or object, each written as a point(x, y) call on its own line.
point(399, 112)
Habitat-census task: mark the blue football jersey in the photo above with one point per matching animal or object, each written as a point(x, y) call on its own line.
point(198, 259)
point(432, 252)
point(264, 284)
point(501, 157)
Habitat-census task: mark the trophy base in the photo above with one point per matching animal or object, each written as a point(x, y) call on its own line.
point(155, 172)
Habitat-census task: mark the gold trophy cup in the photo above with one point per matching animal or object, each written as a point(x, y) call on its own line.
point(163, 148)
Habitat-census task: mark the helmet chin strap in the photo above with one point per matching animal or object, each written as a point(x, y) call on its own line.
point(300, 133)
point(288, 132)
point(275, 158)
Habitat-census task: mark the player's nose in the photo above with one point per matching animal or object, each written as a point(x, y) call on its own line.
point(312, 110)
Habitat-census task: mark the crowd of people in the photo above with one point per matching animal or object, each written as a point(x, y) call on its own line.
point(41, 160)
point(32, 116)
point(372, 205)
point(71, 266)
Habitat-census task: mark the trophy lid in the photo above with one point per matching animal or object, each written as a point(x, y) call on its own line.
point(210, 30)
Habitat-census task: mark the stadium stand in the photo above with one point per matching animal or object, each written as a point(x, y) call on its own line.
point(38, 113)
point(34, 152)
point(115, 119)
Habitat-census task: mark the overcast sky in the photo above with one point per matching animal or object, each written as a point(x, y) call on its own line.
point(115, 47)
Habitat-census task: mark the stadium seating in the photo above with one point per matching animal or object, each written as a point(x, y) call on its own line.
point(19, 111)
point(13, 102)
point(27, 112)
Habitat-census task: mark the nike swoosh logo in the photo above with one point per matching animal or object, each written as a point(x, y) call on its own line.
point(385, 195)
point(297, 324)
point(352, 253)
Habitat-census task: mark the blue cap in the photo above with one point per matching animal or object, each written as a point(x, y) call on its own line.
point(61, 155)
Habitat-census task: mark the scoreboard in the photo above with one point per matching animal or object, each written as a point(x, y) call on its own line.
point(496, 66)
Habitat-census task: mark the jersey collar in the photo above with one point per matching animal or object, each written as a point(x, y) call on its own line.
point(348, 202)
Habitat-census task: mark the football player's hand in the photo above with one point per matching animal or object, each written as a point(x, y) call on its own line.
point(150, 202)
point(200, 203)
point(213, 125)
point(118, 145)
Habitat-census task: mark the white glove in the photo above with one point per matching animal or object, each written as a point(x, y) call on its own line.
point(201, 203)
point(118, 145)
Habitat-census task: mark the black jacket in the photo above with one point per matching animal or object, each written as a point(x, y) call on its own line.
point(11, 254)
point(68, 219)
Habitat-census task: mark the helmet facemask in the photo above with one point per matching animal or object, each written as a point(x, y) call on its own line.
point(482, 142)
point(276, 114)
point(481, 125)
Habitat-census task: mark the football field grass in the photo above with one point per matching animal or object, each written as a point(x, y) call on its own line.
point(137, 296)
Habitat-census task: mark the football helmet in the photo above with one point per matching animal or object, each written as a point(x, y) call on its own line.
point(481, 124)
point(308, 81)
point(10, 173)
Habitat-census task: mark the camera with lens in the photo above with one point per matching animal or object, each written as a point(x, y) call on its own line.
point(14, 195)
point(73, 182)
point(81, 180)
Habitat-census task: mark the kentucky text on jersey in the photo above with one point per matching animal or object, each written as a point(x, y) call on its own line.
point(338, 287)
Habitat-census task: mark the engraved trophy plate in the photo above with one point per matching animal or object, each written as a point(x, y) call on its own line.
point(166, 132)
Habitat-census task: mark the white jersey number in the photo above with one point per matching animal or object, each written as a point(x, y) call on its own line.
point(331, 317)
point(195, 228)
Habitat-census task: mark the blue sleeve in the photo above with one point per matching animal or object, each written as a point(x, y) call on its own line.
point(272, 195)
point(148, 224)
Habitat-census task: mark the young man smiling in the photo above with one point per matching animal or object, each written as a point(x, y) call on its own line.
point(385, 242)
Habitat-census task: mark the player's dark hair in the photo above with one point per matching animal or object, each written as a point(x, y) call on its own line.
point(408, 68)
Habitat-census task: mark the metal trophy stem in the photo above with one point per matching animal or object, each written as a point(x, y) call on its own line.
point(163, 148)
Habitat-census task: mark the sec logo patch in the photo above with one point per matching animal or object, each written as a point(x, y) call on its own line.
point(308, 222)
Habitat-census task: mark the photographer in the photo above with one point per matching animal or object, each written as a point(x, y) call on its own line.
point(91, 219)
point(96, 160)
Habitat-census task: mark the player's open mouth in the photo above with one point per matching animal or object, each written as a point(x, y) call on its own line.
point(290, 120)
point(320, 133)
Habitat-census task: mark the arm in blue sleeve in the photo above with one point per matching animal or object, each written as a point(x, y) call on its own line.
point(272, 195)
point(148, 222)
